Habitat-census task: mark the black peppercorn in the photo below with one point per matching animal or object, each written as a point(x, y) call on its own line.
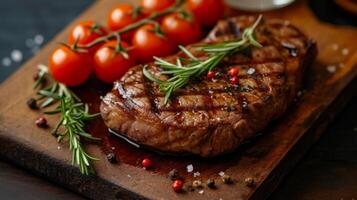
point(174, 175)
point(54, 134)
point(211, 183)
point(41, 122)
point(249, 182)
point(112, 158)
point(32, 104)
point(36, 77)
point(227, 179)
point(189, 188)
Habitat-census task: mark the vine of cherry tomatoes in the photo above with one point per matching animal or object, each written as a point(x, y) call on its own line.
point(86, 52)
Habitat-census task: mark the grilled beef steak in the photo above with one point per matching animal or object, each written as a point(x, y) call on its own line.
point(209, 117)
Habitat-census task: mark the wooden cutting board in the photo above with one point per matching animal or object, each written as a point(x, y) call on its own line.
point(328, 86)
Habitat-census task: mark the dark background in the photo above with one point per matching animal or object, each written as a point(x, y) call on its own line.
point(328, 171)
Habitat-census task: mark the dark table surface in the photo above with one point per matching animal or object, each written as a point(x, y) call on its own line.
point(328, 171)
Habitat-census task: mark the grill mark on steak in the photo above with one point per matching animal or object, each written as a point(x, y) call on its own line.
point(148, 91)
point(261, 87)
point(211, 117)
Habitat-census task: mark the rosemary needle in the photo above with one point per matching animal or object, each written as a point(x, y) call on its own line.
point(182, 74)
point(73, 115)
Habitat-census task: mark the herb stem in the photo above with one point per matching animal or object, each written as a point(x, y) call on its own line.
point(181, 75)
point(73, 114)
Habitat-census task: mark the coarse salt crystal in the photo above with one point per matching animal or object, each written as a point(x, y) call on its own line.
point(58, 147)
point(6, 62)
point(345, 51)
point(251, 71)
point(201, 191)
point(39, 39)
point(196, 174)
point(221, 173)
point(16, 55)
point(331, 68)
point(189, 168)
point(129, 175)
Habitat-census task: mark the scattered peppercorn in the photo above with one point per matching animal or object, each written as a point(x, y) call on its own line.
point(249, 182)
point(211, 183)
point(218, 74)
point(54, 134)
point(197, 184)
point(32, 104)
point(36, 77)
point(227, 179)
point(146, 163)
point(177, 185)
point(188, 187)
point(112, 158)
point(233, 72)
point(41, 122)
point(210, 74)
point(235, 80)
point(174, 175)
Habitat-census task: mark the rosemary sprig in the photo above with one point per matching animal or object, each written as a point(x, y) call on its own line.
point(71, 125)
point(182, 74)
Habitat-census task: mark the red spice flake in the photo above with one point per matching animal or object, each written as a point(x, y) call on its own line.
point(146, 163)
point(234, 71)
point(210, 74)
point(235, 80)
point(177, 185)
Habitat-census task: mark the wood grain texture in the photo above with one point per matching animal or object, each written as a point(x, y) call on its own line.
point(268, 160)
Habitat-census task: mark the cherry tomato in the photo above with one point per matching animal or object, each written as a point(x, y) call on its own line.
point(181, 29)
point(69, 67)
point(147, 44)
point(122, 16)
point(110, 65)
point(85, 33)
point(151, 6)
point(208, 12)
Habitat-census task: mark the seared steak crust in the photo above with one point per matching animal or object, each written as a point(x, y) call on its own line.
point(211, 117)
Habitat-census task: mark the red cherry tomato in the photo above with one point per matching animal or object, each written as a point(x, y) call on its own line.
point(208, 12)
point(85, 33)
point(147, 44)
point(109, 65)
point(122, 16)
point(181, 29)
point(151, 6)
point(69, 67)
